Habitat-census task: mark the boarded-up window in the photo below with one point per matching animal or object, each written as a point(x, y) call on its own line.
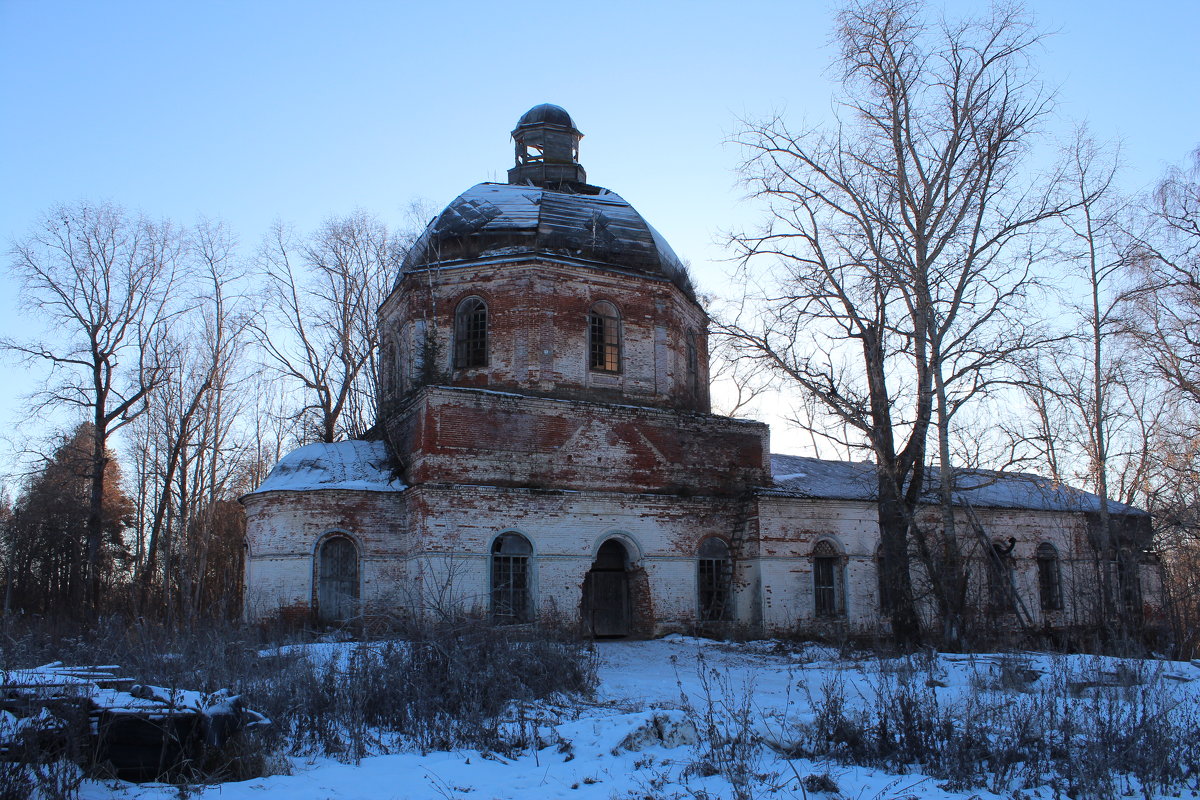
point(337, 580)
point(829, 595)
point(604, 338)
point(713, 580)
point(1049, 577)
point(510, 578)
point(470, 334)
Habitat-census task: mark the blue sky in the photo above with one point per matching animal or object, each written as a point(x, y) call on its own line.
point(256, 111)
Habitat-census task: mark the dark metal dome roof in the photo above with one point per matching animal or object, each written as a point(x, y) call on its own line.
point(504, 222)
point(547, 114)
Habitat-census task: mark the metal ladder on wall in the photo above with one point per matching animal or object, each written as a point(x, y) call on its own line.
point(1024, 618)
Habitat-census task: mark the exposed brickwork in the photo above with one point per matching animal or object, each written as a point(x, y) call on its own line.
point(458, 436)
point(538, 333)
point(538, 443)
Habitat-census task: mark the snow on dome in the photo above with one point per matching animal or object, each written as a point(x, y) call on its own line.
point(595, 227)
point(363, 466)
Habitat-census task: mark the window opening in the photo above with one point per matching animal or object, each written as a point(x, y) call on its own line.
point(510, 578)
point(828, 581)
point(604, 338)
point(693, 364)
point(1000, 578)
point(1049, 577)
point(713, 579)
point(417, 349)
point(470, 334)
point(1129, 588)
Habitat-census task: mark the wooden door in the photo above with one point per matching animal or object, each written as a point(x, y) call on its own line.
point(337, 585)
point(606, 611)
point(608, 603)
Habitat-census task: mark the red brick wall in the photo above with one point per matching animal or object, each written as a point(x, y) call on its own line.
point(538, 333)
point(463, 436)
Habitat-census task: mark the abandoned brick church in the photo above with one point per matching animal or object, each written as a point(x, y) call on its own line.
point(548, 451)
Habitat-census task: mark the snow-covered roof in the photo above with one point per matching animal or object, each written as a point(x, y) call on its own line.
point(594, 225)
point(363, 466)
point(801, 476)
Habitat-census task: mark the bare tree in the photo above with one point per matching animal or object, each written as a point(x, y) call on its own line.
point(1091, 416)
point(319, 327)
point(1167, 298)
point(1164, 315)
point(901, 243)
point(184, 439)
point(102, 282)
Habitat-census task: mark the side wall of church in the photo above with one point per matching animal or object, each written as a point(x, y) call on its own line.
point(285, 530)
point(454, 529)
point(427, 550)
point(791, 528)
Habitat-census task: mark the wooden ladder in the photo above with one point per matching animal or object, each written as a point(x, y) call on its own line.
point(1000, 568)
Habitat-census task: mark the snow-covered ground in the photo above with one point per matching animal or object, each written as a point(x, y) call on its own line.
point(638, 738)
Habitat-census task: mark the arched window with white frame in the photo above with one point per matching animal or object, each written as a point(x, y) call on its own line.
point(511, 580)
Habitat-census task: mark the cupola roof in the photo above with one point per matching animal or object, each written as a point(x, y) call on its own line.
point(546, 209)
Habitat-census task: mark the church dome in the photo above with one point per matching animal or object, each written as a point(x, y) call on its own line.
point(547, 210)
point(546, 114)
point(505, 222)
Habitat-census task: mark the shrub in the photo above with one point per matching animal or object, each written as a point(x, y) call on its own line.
point(1006, 735)
point(438, 687)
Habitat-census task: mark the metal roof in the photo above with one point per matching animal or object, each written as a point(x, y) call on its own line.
point(592, 226)
point(801, 476)
point(547, 114)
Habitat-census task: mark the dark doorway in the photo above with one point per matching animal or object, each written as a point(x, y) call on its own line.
point(606, 592)
point(337, 581)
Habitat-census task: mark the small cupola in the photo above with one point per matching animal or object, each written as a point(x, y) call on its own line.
point(547, 144)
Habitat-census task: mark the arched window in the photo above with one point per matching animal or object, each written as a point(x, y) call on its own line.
point(396, 380)
point(693, 363)
point(604, 338)
point(829, 581)
point(1049, 577)
point(712, 580)
point(337, 580)
point(470, 334)
point(510, 578)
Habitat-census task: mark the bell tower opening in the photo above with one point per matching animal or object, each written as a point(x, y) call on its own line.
point(547, 149)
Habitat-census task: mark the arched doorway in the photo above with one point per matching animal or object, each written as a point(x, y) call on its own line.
point(606, 612)
point(337, 580)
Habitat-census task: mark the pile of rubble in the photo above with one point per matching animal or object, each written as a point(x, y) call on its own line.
point(132, 731)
